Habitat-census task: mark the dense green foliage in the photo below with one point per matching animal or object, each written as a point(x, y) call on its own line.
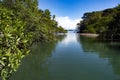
point(40, 23)
point(61, 30)
point(21, 24)
point(13, 42)
point(105, 23)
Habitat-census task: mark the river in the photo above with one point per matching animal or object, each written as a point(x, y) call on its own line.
point(72, 57)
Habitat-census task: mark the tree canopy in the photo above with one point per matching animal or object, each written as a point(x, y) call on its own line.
point(21, 24)
point(105, 23)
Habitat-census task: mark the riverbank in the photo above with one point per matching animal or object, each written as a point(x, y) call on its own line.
point(89, 34)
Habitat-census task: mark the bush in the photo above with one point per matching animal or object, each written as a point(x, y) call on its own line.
point(13, 42)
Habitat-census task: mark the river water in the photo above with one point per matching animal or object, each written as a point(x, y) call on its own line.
point(72, 57)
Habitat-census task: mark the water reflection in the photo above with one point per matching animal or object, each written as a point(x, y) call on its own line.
point(33, 67)
point(109, 51)
point(69, 39)
point(71, 58)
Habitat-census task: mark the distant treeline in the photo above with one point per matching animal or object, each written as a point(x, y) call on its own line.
point(21, 24)
point(106, 23)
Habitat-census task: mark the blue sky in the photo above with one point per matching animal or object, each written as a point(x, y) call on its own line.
point(73, 10)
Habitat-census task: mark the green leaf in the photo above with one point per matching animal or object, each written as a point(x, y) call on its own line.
point(2, 63)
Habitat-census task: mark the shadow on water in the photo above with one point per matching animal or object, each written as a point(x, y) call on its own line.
point(105, 50)
point(33, 66)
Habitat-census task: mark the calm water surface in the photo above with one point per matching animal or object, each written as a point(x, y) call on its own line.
point(71, 58)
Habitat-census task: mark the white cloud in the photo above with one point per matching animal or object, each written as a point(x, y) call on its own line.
point(67, 23)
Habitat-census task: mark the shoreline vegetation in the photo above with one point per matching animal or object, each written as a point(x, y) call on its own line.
point(106, 23)
point(21, 25)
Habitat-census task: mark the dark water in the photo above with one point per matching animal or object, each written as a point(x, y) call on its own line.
point(71, 58)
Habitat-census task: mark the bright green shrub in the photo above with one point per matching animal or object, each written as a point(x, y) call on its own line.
point(13, 42)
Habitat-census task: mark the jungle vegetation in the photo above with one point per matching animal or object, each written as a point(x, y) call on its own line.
point(21, 24)
point(106, 23)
